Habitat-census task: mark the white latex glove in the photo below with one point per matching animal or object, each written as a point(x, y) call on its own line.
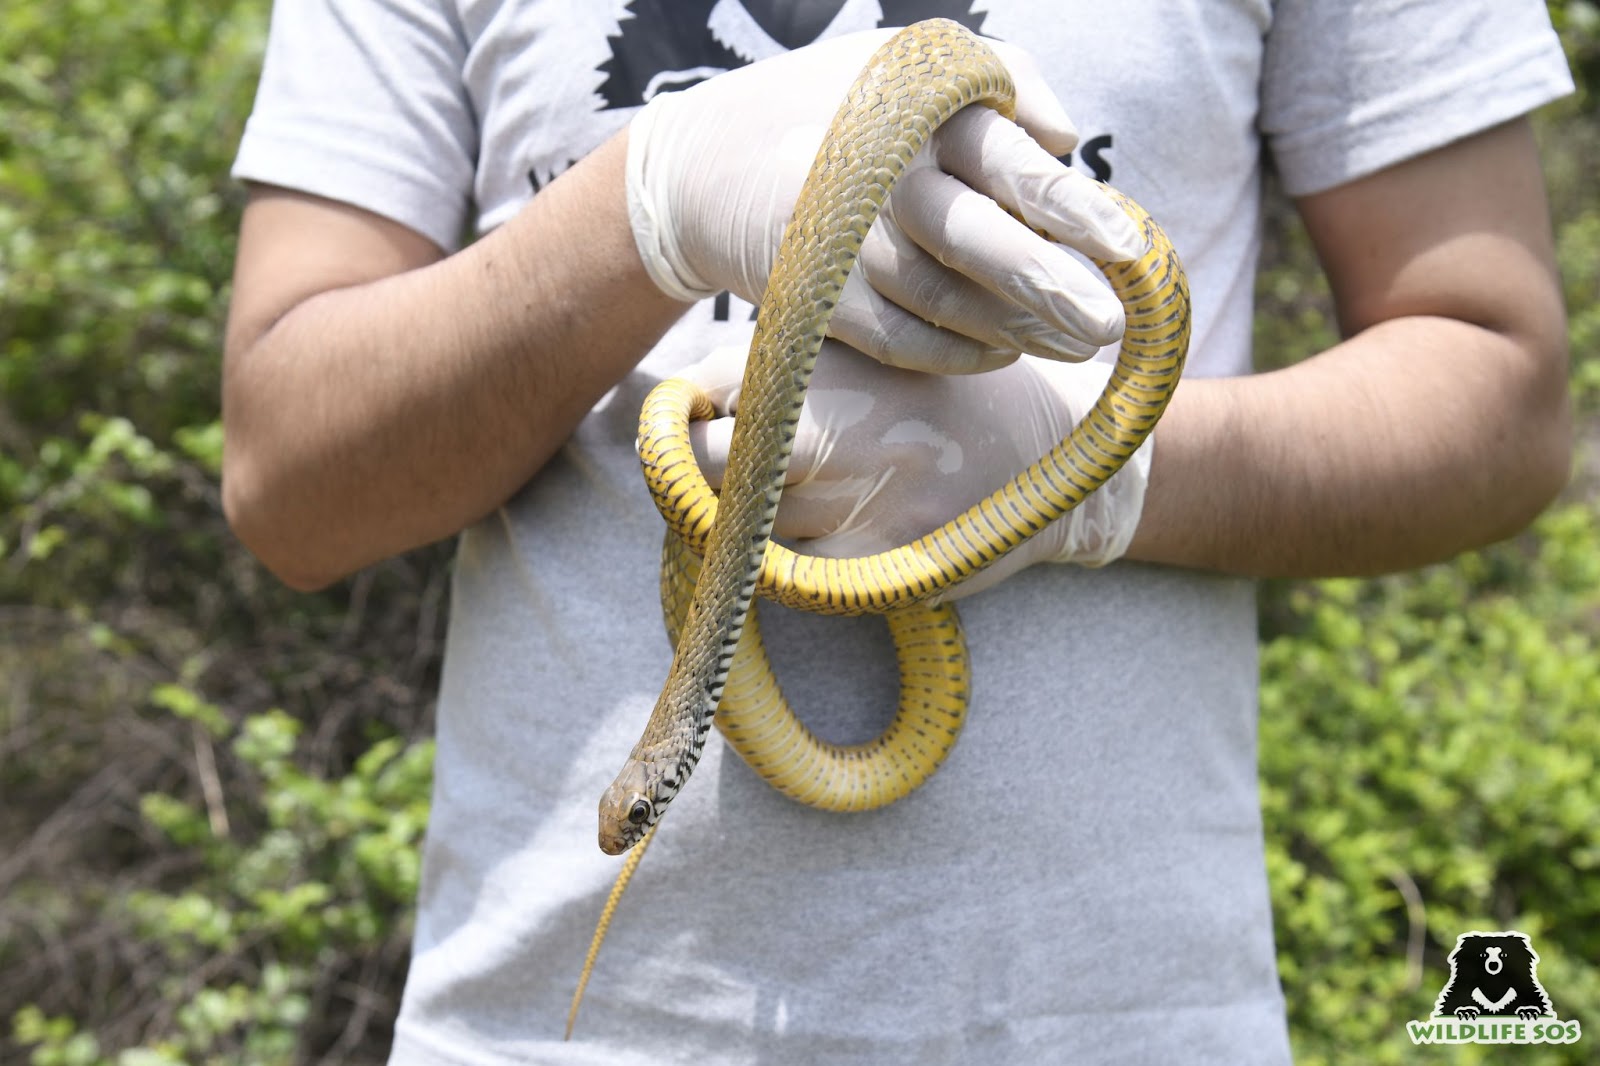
point(948, 281)
point(883, 456)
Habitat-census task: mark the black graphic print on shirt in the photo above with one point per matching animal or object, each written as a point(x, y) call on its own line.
point(668, 45)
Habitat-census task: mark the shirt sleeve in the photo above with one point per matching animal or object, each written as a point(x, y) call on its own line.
point(364, 102)
point(1350, 88)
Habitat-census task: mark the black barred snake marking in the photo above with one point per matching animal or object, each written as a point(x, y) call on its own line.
point(914, 83)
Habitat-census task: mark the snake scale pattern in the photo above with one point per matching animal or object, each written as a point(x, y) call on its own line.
point(718, 554)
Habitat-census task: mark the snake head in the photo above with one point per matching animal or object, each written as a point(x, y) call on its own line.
point(628, 809)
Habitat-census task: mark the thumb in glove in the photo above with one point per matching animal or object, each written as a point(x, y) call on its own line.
point(883, 456)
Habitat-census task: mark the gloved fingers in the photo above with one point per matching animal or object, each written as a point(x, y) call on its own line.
point(720, 375)
point(826, 515)
point(811, 506)
point(1039, 110)
point(871, 322)
point(840, 397)
point(972, 235)
point(977, 273)
point(710, 442)
point(814, 445)
point(1000, 160)
point(882, 456)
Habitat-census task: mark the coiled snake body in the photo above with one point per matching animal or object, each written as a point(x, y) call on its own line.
point(916, 81)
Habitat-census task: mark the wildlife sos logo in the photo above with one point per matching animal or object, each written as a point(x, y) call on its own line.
point(1493, 996)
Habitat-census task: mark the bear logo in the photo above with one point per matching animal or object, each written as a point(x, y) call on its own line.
point(1493, 975)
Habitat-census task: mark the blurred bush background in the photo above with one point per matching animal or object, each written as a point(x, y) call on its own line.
point(212, 790)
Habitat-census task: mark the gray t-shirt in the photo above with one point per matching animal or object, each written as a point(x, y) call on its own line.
point(1083, 881)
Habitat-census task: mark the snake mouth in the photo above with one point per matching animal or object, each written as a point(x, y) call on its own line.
point(617, 835)
point(626, 812)
point(614, 843)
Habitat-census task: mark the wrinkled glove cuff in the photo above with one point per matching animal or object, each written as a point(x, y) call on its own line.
point(649, 206)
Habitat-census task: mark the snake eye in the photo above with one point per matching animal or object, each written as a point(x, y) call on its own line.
point(639, 813)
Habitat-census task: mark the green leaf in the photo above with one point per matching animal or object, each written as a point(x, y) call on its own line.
point(188, 705)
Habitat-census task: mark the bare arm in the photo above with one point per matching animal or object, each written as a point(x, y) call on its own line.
point(378, 395)
point(1439, 425)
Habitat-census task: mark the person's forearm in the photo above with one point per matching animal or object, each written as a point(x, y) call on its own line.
point(1410, 442)
point(373, 419)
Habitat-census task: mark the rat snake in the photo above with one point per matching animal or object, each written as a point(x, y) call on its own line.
point(916, 81)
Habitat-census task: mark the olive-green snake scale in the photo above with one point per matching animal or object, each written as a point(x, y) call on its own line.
point(916, 81)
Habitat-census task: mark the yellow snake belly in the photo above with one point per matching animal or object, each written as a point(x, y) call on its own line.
point(719, 673)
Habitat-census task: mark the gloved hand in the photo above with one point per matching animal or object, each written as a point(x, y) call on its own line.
point(883, 456)
point(713, 174)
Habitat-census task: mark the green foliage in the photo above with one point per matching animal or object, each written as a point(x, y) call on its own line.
point(183, 878)
point(331, 872)
point(1428, 748)
point(1428, 740)
point(1570, 137)
point(120, 122)
point(116, 241)
point(1578, 22)
point(1579, 253)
